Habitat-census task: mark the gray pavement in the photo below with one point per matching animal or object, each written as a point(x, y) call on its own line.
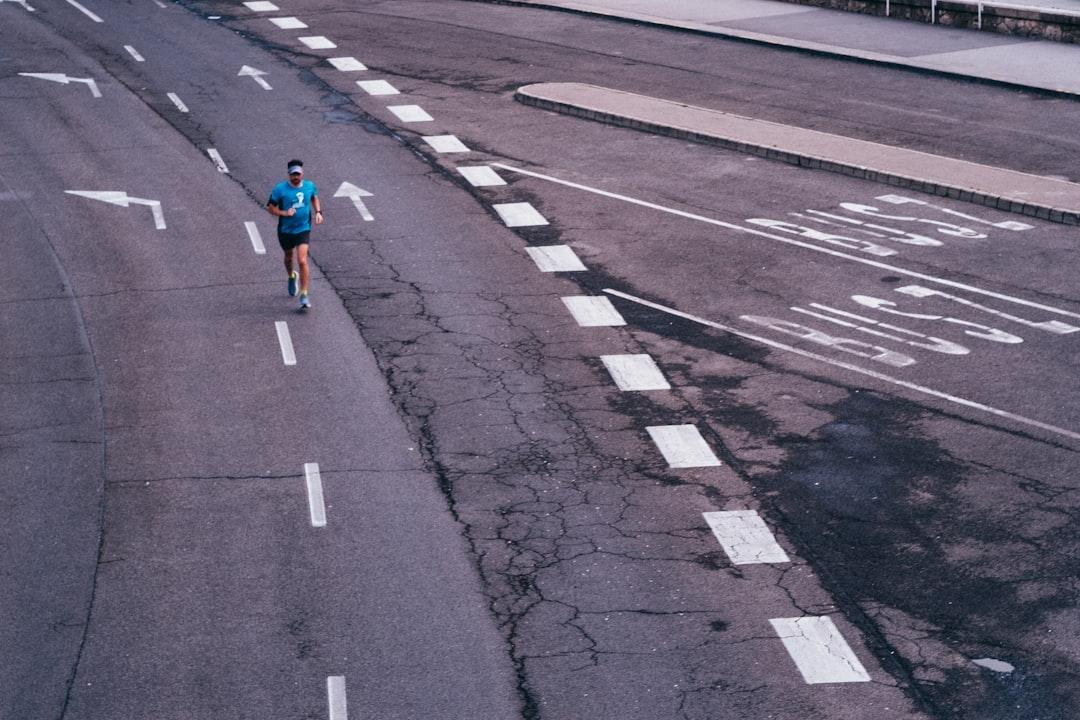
point(1036, 64)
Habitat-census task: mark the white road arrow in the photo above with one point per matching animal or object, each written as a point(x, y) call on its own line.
point(121, 198)
point(64, 79)
point(24, 3)
point(255, 74)
point(354, 193)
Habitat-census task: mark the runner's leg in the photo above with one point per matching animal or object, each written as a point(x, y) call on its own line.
point(301, 259)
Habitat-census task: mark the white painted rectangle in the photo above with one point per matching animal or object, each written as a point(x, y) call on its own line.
point(318, 42)
point(84, 11)
point(261, 6)
point(134, 53)
point(335, 697)
point(218, 160)
point(481, 175)
point(177, 102)
point(288, 355)
point(682, 446)
point(592, 311)
point(445, 143)
point(635, 372)
point(255, 237)
point(819, 650)
point(520, 214)
point(289, 23)
point(410, 113)
point(555, 258)
point(745, 537)
point(346, 64)
point(316, 505)
point(377, 87)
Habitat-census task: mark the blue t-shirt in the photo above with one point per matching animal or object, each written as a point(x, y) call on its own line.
point(285, 196)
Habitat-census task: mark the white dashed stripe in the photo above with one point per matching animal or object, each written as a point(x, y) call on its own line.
point(521, 214)
point(377, 87)
point(335, 697)
point(745, 537)
point(261, 6)
point(682, 446)
point(318, 42)
point(218, 160)
point(255, 237)
point(288, 355)
point(178, 103)
point(134, 53)
point(346, 64)
point(445, 143)
point(481, 175)
point(84, 11)
point(635, 372)
point(819, 650)
point(289, 23)
point(555, 258)
point(410, 113)
point(590, 311)
point(315, 495)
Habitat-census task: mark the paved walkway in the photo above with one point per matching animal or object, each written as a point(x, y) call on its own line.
point(1038, 64)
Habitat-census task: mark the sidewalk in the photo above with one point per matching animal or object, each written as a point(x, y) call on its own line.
point(1000, 59)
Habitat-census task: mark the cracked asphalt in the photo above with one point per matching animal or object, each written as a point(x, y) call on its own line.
point(473, 438)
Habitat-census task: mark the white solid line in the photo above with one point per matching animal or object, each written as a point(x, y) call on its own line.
point(335, 693)
point(555, 258)
point(635, 372)
point(745, 537)
point(255, 237)
point(410, 113)
point(819, 650)
point(177, 102)
point(315, 495)
point(288, 355)
point(593, 311)
point(854, 368)
point(261, 6)
point(682, 446)
point(346, 64)
point(445, 143)
point(377, 87)
point(520, 214)
point(134, 53)
point(289, 23)
point(791, 241)
point(216, 157)
point(481, 175)
point(318, 42)
point(160, 4)
point(84, 11)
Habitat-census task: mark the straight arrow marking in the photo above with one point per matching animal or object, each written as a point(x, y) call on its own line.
point(121, 198)
point(255, 74)
point(24, 3)
point(354, 193)
point(64, 80)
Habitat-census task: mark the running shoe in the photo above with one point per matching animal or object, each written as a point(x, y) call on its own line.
point(304, 302)
point(292, 284)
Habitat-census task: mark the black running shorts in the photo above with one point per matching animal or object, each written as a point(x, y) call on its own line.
point(290, 240)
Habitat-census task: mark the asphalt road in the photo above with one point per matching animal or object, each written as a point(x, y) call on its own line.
point(895, 395)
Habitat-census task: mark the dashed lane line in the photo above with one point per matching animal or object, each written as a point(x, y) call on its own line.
point(819, 650)
point(316, 505)
point(410, 113)
point(178, 103)
point(219, 162)
point(82, 8)
point(261, 6)
point(481, 175)
point(289, 23)
point(318, 42)
point(854, 368)
point(555, 258)
point(335, 697)
point(593, 311)
point(445, 144)
point(682, 446)
point(346, 64)
point(288, 355)
point(255, 237)
point(521, 214)
point(635, 372)
point(377, 87)
point(745, 537)
point(134, 53)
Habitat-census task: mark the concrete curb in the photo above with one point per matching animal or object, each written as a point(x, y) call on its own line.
point(800, 46)
point(965, 194)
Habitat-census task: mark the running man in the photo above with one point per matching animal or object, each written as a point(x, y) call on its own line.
point(292, 202)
